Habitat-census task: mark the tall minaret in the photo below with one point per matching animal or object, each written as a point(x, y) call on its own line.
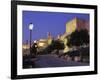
point(49, 37)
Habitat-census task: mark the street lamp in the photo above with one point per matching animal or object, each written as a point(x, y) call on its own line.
point(30, 28)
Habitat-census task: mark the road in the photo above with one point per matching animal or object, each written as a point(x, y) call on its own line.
point(43, 61)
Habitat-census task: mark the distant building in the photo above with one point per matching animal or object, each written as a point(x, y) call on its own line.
point(26, 45)
point(76, 24)
point(25, 48)
point(42, 43)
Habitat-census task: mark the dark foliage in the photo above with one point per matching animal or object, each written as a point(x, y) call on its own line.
point(78, 38)
point(55, 45)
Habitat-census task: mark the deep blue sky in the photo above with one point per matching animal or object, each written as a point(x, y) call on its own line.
point(53, 22)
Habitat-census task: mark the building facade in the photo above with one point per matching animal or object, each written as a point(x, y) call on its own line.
point(76, 24)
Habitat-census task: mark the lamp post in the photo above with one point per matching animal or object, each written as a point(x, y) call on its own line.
point(30, 28)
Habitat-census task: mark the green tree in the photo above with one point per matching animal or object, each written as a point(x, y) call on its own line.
point(57, 45)
point(78, 38)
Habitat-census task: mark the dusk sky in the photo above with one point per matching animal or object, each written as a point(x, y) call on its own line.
point(53, 22)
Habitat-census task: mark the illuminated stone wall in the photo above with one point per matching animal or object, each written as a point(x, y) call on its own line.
point(71, 26)
point(82, 24)
point(76, 24)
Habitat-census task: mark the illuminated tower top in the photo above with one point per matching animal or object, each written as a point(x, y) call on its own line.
point(76, 24)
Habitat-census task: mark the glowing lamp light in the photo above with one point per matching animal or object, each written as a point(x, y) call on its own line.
point(31, 26)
